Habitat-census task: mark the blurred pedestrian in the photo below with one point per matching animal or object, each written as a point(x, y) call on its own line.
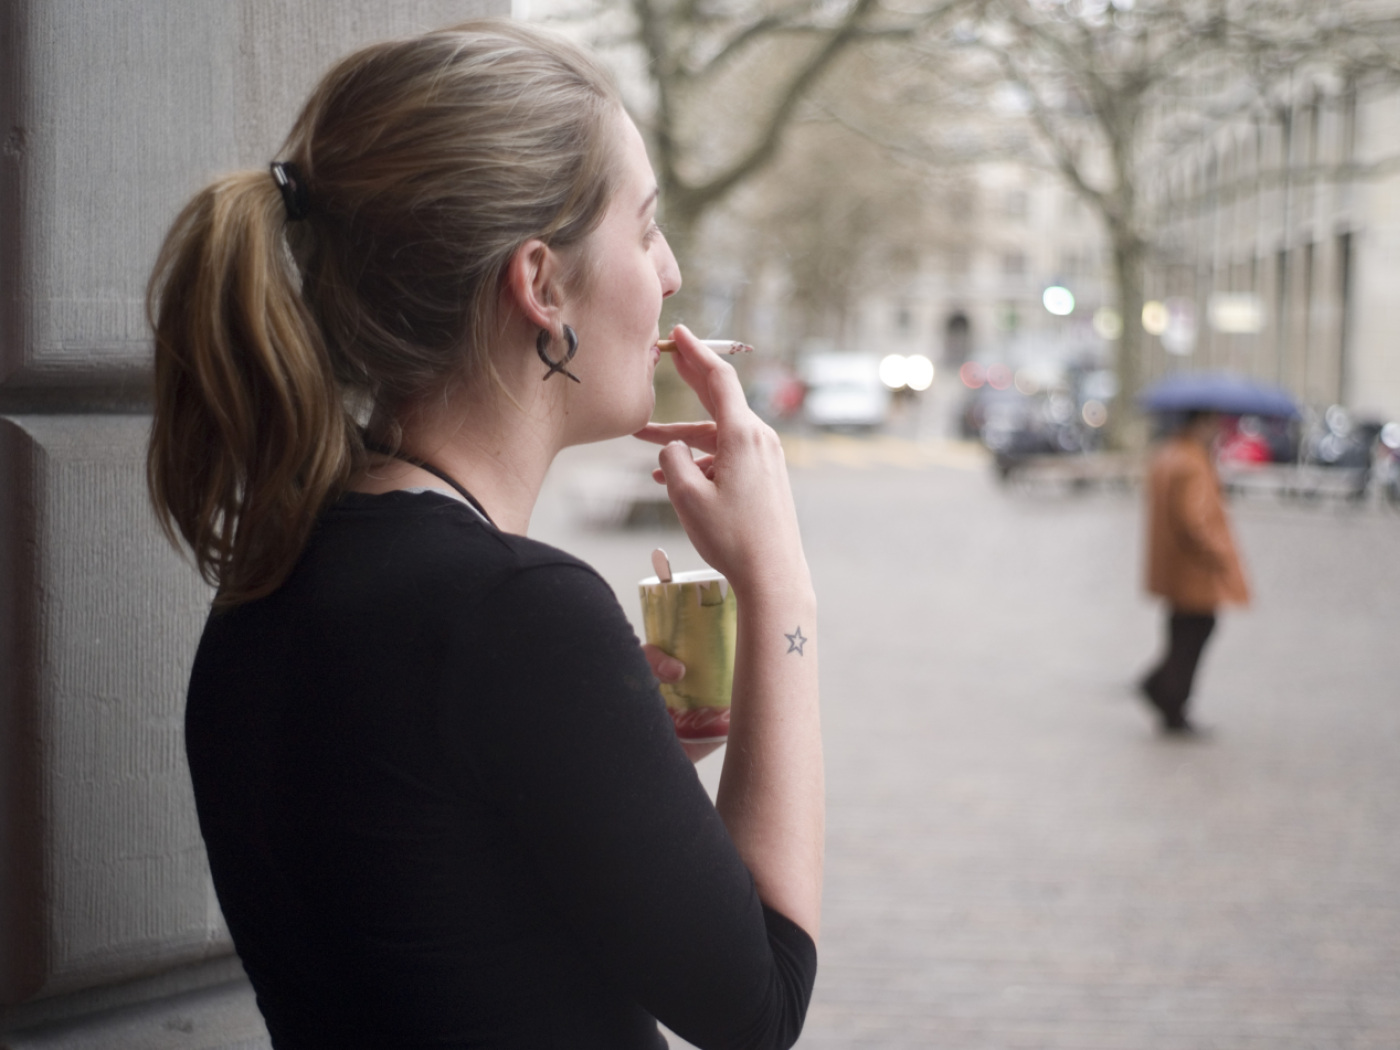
point(1191, 560)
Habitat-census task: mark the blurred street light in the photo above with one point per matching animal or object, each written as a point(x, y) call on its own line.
point(1154, 317)
point(1108, 323)
point(1179, 337)
point(1236, 313)
point(998, 376)
point(920, 372)
point(914, 372)
point(1059, 300)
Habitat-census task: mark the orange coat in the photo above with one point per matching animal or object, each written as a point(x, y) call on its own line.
point(1191, 556)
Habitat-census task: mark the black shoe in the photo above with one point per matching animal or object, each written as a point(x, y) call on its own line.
point(1181, 728)
point(1146, 691)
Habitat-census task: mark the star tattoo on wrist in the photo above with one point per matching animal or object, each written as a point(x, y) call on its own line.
point(796, 641)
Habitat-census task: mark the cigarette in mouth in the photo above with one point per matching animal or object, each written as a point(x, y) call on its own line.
point(719, 346)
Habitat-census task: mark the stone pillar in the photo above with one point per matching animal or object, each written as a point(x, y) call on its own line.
point(112, 113)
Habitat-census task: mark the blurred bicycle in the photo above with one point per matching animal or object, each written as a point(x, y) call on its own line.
point(1385, 465)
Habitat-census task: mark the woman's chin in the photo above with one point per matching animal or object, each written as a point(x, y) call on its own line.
point(646, 408)
point(642, 418)
point(622, 424)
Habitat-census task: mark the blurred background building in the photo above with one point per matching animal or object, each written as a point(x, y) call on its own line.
point(1279, 245)
point(1034, 184)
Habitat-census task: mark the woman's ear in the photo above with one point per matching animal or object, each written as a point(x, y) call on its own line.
point(533, 283)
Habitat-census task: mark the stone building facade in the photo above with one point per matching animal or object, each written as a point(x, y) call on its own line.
point(1274, 251)
point(983, 300)
point(1280, 232)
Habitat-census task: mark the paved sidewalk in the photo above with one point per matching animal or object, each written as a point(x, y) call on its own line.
point(1015, 860)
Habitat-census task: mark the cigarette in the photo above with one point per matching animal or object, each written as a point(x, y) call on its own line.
point(719, 346)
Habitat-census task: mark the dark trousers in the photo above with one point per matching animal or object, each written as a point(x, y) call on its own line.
point(1169, 684)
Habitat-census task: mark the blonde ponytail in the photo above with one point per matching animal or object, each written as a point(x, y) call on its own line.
point(250, 435)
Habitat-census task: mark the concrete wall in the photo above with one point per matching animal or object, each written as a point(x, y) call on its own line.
point(112, 112)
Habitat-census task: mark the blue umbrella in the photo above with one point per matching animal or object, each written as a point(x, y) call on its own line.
point(1223, 392)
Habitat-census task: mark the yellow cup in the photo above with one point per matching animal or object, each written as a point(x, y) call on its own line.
point(693, 618)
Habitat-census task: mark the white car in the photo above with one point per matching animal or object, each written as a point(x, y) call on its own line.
point(844, 391)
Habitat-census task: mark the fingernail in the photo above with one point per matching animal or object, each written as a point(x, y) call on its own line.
point(672, 669)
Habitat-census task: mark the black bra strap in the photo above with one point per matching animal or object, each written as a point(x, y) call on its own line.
point(423, 464)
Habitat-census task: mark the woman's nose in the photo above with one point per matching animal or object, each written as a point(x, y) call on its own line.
point(669, 270)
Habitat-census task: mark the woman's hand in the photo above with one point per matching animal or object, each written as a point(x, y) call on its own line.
point(664, 666)
point(734, 501)
point(736, 505)
point(668, 669)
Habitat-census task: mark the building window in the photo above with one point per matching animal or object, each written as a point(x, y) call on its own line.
point(1017, 204)
point(957, 339)
point(1013, 264)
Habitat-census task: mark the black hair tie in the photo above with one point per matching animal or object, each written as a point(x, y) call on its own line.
point(294, 193)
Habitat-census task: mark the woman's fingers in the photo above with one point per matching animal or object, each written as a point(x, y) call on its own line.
point(697, 435)
point(691, 358)
point(705, 463)
point(686, 481)
point(665, 666)
point(715, 382)
point(711, 377)
point(678, 464)
point(734, 500)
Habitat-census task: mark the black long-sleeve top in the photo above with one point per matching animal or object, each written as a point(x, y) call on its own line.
point(444, 807)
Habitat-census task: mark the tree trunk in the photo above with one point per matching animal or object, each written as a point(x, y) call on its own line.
point(1126, 429)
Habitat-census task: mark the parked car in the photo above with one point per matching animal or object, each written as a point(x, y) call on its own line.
point(1016, 426)
point(844, 392)
point(1246, 440)
point(1336, 439)
point(776, 394)
point(1386, 468)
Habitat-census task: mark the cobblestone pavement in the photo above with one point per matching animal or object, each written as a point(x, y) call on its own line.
point(1015, 859)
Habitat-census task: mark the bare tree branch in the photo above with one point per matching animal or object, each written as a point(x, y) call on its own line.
point(690, 200)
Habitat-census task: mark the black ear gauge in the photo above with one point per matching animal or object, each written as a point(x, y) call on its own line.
point(542, 342)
